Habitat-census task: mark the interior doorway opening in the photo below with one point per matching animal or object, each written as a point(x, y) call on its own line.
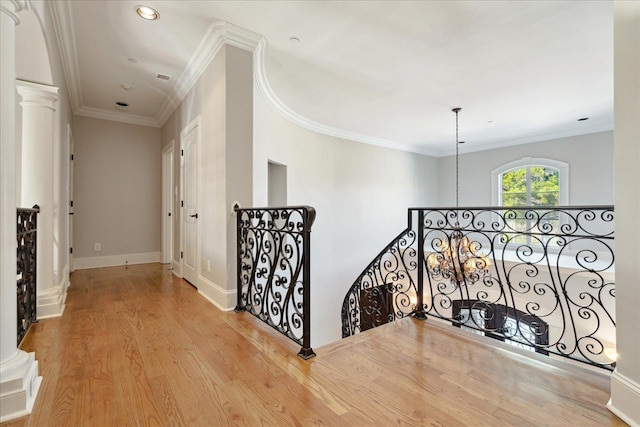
point(277, 182)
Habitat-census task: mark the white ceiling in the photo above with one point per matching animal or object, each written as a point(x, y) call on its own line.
point(385, 72)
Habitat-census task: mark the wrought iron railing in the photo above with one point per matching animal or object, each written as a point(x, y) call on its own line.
point(273, 267)
point(540, 278)
point(27, 233)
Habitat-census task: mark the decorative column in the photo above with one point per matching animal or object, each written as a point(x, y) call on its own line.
point(38, 107)
point(19, 380)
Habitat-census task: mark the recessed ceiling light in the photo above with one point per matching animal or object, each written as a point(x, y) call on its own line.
point(147, 13)
point(163, 77)
point(583, 119)
point(461, 142)
point(134, 60)
point(126, 87)
point(121, 106)
point(294, 39)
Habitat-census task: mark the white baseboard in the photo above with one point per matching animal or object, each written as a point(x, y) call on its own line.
point(50, 302)
point(224, 299)
point(175, 265)
point(625, 396)
point(19, 385)
point(115, 260)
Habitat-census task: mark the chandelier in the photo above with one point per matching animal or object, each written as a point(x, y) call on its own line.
point(457, 259)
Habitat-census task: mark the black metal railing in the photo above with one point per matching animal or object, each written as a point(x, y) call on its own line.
point(539, 278)
point(386, 289)
point(27, 236)
point(273, 267)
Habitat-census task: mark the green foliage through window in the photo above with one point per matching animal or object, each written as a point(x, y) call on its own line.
point(529, 186)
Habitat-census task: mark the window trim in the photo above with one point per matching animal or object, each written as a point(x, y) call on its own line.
point(563, 177)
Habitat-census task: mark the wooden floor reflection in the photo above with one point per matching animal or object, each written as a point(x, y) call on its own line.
point(139, 347)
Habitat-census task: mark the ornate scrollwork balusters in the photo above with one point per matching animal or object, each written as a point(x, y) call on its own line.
point(549, 284)
point(27, 233)
point(273, 268)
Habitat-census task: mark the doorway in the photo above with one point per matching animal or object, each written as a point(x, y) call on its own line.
point(167, 203)
point(189, 203)
point(71, 212)
point(277, 184)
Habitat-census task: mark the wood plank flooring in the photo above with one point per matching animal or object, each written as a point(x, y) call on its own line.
point(138, 347)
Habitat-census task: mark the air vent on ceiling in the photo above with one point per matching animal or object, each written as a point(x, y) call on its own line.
point(121, 106)
point(163, 77)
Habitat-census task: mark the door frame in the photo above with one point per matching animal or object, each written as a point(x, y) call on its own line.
point(167, 202)
point(70, 147)
point(195, 124)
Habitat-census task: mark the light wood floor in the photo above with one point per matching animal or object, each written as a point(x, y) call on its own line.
point(138, 347)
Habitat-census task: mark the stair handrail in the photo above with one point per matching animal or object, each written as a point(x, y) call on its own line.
point(548, 285)
point(402, 244)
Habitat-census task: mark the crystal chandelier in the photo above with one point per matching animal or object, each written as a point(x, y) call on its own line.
point(458, 259)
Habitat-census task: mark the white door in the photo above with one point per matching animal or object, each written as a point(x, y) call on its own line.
point(167, 205)
point(189, 201)
point(71, 143)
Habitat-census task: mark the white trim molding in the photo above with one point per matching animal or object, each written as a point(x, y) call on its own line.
point(100, 113)
point(66, 38)
point(176, 268)
point(19, 385)
point(218, 34)
point(51, 301)
point(224, 299)
point(625, 399)
point(268, 94)
point(12, 7)
point(116, 260)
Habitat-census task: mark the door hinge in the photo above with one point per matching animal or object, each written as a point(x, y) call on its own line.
point(71, 250)
point(181, 254)
point(169, 213)
point(182, 203)
point(71, 203)
point(182, 152)
point(72, 157)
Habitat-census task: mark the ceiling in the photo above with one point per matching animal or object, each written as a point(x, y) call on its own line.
point(382, 72)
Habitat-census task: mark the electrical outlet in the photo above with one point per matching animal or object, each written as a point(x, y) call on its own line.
point(97, 247)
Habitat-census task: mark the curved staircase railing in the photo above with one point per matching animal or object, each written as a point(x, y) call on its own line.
point(539, 278)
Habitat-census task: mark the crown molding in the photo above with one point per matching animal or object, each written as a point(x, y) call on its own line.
point(100, 113)
point(266, 91)
point(12, 7)
point(528, 140)
point(218, 34)
point(66, 38)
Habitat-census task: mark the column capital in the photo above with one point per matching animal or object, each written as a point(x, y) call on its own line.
point(37, 95)
point(12, 7)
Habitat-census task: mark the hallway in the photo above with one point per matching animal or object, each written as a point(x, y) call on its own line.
point(138, 346)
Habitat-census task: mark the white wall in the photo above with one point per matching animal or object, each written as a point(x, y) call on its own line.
point(590, 159)
point(360, 192)
point(222, 97)
point(117, 186)
point(625, 381)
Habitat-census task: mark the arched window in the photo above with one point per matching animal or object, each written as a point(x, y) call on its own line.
point(531, 182)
